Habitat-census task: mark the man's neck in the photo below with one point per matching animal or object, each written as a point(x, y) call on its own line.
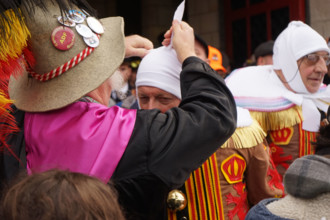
point(101, 94)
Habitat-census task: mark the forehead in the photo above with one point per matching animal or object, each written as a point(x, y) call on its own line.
point(152, 91)
point(321, 52)
point(199, 47)
point(125, 65)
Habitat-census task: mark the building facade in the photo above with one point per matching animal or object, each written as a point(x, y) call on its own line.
point(235, 27)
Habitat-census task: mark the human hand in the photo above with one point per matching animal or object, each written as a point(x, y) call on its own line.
point(183, 39)
point(137, 46)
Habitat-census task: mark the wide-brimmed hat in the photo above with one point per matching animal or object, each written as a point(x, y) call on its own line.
point(34, 92)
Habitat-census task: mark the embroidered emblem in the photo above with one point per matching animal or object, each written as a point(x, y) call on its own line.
point(233, 168)
point(275, 178)
point(241, 206)
point(277, 158)
point(282, 137)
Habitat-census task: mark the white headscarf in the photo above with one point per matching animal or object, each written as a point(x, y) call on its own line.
point(160, 68)
point(296, 41)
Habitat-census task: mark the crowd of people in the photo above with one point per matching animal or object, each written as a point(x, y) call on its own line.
point(105, 126)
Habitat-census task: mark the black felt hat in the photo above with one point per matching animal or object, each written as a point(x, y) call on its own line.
point(264, 49)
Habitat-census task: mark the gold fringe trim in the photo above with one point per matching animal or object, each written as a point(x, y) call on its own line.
point(246, 137)
point(16, 39)
point(278, 120)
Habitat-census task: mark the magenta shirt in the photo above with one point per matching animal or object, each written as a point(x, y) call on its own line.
point(83, 137)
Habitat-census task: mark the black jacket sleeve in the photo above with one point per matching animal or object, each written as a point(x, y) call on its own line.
point(170, 146)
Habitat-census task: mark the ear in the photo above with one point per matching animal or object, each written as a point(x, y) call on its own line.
point(260, 61)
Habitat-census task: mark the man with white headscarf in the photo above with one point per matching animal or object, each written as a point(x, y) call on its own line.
point(255, 178)
point(287, 97)
point(158, 80)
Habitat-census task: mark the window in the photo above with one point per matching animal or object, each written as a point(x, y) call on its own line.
point(251, 22)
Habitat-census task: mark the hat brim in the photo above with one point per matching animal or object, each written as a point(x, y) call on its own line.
point(32, 95)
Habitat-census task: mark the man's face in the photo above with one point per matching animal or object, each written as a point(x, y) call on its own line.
point(154, 98)
point(132, 79)
point(125, 71)
point(312, 70)
point(200, 51)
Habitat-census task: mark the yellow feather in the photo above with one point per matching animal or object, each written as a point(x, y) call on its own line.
point(16, 39)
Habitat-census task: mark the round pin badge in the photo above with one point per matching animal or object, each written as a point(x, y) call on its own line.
point(65, 21)
point(76, 17)
point(84, 31)
point(95, 25)
point(63, 38)
point(78, 12)
point(93, 41)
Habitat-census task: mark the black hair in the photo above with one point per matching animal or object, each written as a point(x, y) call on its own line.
point(203, 43)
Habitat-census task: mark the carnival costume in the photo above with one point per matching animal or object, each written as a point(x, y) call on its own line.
point(239, 175)
point(143, 153)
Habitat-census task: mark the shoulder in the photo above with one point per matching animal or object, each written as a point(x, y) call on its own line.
point(261, 212)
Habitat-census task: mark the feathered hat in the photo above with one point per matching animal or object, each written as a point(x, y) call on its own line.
point(74, 54)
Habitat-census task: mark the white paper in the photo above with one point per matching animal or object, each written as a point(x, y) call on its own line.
point(178, 14)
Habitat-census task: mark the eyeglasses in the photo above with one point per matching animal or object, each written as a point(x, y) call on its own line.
point(313, 58)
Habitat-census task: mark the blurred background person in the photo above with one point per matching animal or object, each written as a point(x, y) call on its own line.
point(128, 73)
point(132, 63)
point(201, 48)
point(215, 58)
point(264, 53)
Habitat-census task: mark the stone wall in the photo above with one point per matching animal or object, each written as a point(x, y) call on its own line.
point(206, 17)
point(319, 16)
point(157, 18)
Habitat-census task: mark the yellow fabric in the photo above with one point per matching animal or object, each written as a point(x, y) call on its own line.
point(278, 120)
point(16, 39)
point(246, 137)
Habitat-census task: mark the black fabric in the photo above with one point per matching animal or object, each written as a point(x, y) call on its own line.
point(326, 79)
point(165, 148)
point(9, 165)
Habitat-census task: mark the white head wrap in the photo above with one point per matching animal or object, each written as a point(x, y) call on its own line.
point(296, 41)
point(160, 68)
